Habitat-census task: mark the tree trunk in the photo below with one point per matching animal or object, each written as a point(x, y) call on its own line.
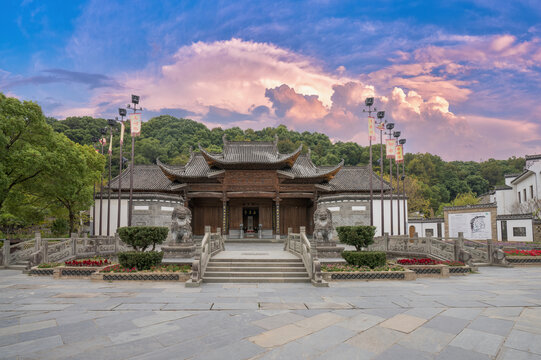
point(71, 220)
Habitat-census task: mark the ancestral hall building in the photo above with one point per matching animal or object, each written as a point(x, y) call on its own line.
point(248, 190)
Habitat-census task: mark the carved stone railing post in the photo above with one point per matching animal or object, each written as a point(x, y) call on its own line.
point(386, 241)
point(7, 247)
point(117, 243)
point(459, 245)
point(45, 249)
point(37, 243)
point(490, 251)
point(287, 244)
point(74, 244)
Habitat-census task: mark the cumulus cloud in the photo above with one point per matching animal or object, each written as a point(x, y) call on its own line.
point(250, 84)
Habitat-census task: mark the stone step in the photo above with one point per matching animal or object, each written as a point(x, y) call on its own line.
point(218, 274)
point(256, 280)
point(288, 261)
point(256, 269)
point(255, 263)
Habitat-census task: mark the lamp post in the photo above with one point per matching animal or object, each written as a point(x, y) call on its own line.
point(381, 126)
point(369, 102)
point(133, 105)
point(111, 123)
point(94, 141)
point(122, 113)
point(390, 127)
point(403, 142)
point(102, 142)
point(396, 134)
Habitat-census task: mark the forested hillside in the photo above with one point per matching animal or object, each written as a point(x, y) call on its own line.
point(431, 182)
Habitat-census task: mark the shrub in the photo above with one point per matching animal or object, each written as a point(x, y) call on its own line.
point(59, 227)
point(358, 236)
point(371, 259)
point(141, 237)
point(140, 260)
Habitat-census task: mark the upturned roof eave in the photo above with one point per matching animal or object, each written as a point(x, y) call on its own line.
point(213, 160)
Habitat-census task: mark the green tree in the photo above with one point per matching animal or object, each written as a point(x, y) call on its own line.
point(26, 155)
point(70, 185)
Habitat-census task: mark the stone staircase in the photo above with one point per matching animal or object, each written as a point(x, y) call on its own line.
point(255, 270)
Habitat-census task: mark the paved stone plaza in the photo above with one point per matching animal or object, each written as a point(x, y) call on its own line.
point(494, 314)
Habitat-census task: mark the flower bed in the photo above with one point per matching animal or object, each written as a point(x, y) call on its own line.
point(156, 273)
point(517, 252)
point(428, 262)
point(94, 262)
point(332, 272)
point(354, 268)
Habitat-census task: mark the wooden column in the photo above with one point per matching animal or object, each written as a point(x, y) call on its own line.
point(224, 216)
point(277, 205)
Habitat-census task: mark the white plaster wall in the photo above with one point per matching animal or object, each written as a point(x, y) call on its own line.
point(506, 200)
point(527, 223)
point(114, 216)
point(420, 228)
point(387, 216)
point(525, 185)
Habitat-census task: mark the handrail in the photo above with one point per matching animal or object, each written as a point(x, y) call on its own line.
point(300, 245)
point(211, 244)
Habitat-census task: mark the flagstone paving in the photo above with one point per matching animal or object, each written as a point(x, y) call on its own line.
point(495, 314)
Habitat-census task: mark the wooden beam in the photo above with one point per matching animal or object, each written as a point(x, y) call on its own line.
point(205, 194)
point(250, 194)
point(308, 195)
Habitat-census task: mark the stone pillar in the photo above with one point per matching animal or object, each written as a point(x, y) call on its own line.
point(7, 247)
point(459, 245)
point(490, 250)
point(386, 241)
point(117, 242)
point(45, 251)
point(73, 244)
point(37, 242)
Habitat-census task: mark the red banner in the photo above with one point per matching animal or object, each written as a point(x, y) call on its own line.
point(390, 148)
point(135, 124)
point(103, 141)
point(399, 154)
point(371, 129)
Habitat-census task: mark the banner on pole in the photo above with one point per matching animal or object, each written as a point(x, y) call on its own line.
point(121, 132)
point(111, 144)
point(381, 126)
point(371, 129)
point(135, 124)
point(390, 148)
point(399, 154)
point(103, 141)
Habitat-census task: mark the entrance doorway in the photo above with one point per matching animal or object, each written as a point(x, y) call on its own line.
point(250, 219)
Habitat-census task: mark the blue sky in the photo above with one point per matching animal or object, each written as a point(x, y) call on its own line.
point(466, 71)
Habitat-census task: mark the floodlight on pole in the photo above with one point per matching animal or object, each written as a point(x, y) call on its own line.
point(94, 140)
point(390, 127)
point(111, 123)
point(369, 102)
point(396, 134)
point(122, 112)
point(133, 105)
point(403, 142)
point(103, 132)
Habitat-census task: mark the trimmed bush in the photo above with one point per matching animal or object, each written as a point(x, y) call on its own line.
point(141, 237)
point(372, 259)
point(358, 236)
point(140, 260)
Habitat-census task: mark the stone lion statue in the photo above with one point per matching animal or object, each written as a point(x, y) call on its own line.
point(181, 229)
point(323, 229)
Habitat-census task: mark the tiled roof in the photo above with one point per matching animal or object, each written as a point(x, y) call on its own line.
point(533, 157)
point(522, 175)
point(356, 178)
point(145, 178)
point(304, 169)
point(250, 155)
point(502, 187)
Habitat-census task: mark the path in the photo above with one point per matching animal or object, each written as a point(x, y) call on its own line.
point(495, 313)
